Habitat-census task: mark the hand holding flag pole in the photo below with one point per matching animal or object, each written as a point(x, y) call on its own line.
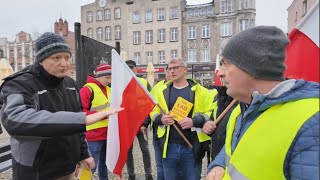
point(177, 129)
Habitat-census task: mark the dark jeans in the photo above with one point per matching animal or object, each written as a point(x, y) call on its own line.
point(158, 157)
point(98, 151)
point(179, 157)
point(145, 156)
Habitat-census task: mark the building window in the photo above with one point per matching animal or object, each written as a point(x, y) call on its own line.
point(226, 6)
point(161, 14)
point(190, 12)
point(174, 54)
point(11, 54)
point(149, 36)
point(243, 24)
point(89, 16)
point(203, 11)
point(99, 15)
point(243, 4)
point(161, 35)
point(137, 58)
point(174, 34)
point(304, 7)
point(1, 53)
point(108, 33)
point(196, 12)
point(191, 55)
point(19, 53)
point(162, 59)
point(149, 15)
point(117, 13)
point(136, 17)
point(118, 32)
point(192, 32)
point(206, 31)
point(90, 33)
point(210, 10)
point(205, 55)
point(99, 34)
point(107, 14)
point(136, 37)
point(149, 56)
point(226, 29)
point(174, 13)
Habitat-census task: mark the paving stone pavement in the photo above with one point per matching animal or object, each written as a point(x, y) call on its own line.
point(7, 175)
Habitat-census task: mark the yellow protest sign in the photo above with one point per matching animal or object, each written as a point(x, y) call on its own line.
point(181, 109)
point(82, 172)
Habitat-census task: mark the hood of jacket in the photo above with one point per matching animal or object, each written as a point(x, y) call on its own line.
point(289, 90)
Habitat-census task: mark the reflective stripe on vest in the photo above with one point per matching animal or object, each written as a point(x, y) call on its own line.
point(261, 152)
point(100, 102)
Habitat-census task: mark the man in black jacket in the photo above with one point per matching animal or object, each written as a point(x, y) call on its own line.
point(42, 113)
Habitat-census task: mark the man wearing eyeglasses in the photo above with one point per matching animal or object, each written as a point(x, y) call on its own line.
point(175, 151)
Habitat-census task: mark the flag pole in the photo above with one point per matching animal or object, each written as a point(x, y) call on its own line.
point(224, 112)
point(177, 129)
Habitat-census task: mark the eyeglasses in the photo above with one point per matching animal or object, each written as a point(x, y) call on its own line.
point(174, 68)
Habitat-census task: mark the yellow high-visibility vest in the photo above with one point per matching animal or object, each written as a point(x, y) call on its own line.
point(200, 106)
point(261, 152)
point(100, 102)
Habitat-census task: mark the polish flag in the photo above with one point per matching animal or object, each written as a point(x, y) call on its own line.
point(217, 81)
point(127, 92)
point(302, 59)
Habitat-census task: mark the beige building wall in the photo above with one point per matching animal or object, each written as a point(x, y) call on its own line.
point(224, 18)
point(297, 10)
point(128, 27)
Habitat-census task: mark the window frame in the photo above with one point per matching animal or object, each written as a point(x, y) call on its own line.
point(117, 32)
point(99, 15)
point(117, 13)
point(162, 35)
point(99, 34)
point(134, 15)
point(89, 15)
point(149, 36)
point(105, 14)
point(136, 37)
point(109, 34)
point(205, 31)
point(160, 15)
point(193, 33)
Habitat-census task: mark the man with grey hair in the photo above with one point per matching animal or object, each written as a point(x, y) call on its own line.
point(274, 131)
point(175, 150)
point(42, 113)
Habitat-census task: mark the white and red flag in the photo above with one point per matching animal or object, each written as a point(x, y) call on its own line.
point(127, 92)
point(217, 81)
point(302, 59)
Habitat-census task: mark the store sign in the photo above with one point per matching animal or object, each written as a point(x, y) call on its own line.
point(144, 70)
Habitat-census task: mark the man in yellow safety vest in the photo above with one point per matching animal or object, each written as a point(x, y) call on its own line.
point(274, 132)
point(95, 97)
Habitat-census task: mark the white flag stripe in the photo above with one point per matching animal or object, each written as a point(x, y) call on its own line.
point(309, 24)
point(117, 88)
point(217, 63)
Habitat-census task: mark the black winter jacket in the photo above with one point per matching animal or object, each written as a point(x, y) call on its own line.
point(43, 115)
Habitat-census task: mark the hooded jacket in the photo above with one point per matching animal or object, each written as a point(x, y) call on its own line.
point(43, 115)
point(303, 154)
point(86, 98)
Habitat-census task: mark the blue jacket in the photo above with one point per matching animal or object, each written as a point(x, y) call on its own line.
point(302, 160)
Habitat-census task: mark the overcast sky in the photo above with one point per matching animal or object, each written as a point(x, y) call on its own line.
point(39, 15)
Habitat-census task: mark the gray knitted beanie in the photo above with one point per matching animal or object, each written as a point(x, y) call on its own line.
point(48, 44)
point(260, 51)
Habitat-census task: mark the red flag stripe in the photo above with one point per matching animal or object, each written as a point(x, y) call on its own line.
point(137, 106)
